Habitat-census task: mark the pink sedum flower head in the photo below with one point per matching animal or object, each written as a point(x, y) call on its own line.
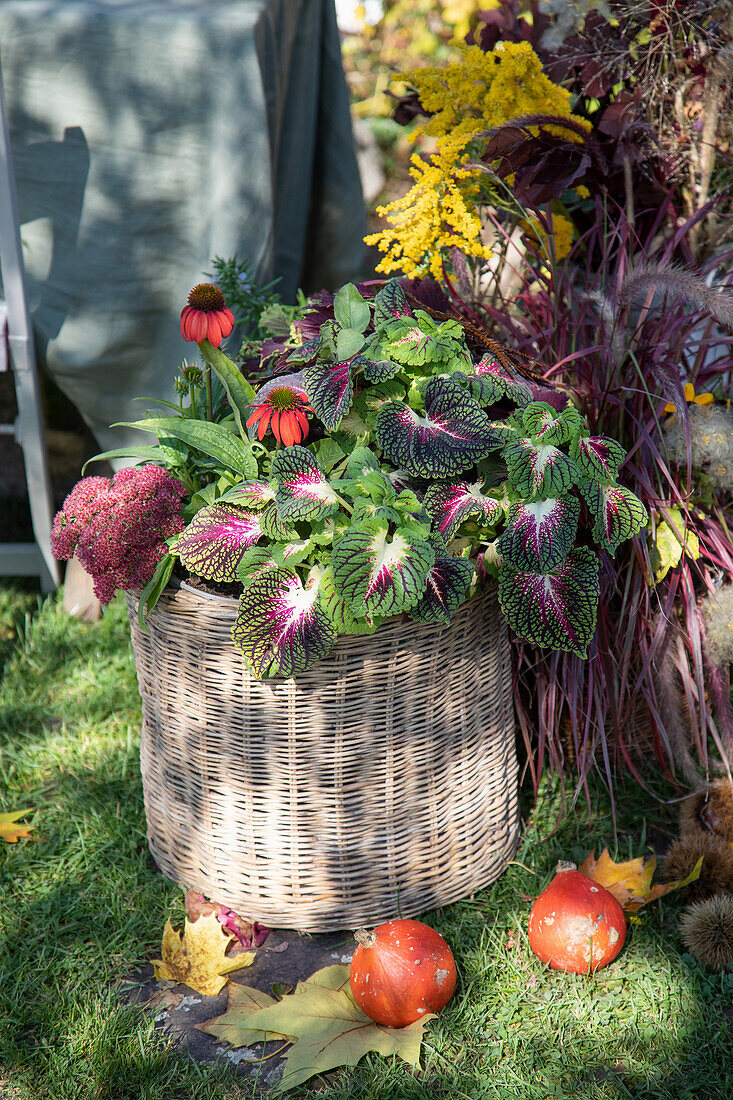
point(281, 406)
point(118, 529)
point(206, 316)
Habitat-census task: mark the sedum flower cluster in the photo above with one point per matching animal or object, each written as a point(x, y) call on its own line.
point(442, 209)
point(118, 529)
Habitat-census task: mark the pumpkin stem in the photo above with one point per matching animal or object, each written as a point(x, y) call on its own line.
point(365, 937)
point(565, 865)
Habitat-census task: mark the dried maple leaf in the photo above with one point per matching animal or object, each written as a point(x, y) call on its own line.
point(233, 1025)
point(328, 1029)
point(10, 830)
point(631, 882)
point(198, 957)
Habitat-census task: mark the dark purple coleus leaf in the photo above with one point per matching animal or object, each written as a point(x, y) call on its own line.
point(597, 457)
point(540, 535)
point(450, 503)
point(453, 433)
point(330, 390)
point(619, 514)
point(251, 494)
point(376, 573)
point(216, 538)
point(539, 470)
point(445, 589)
point(491, 382)
point(548, 425)
point(390, 302)
point(281, 627)
point(555, 610)
point(303, 491)
point(304, 353)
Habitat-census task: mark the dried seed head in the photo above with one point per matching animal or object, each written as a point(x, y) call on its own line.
point(706, 929)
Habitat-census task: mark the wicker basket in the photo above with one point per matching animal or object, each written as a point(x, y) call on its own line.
point(381, 783)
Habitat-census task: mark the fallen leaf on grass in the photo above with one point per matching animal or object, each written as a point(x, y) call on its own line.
point(233, 1025)
point(326, 1027)
point(631, 882)
point(10, 830)
point(198, 957)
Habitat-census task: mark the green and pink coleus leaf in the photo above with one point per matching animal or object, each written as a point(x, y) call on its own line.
point(390, 303)
point(338, 612)
point(449, 437)
point(539, 470)
point(373, 365)
point(546, 425)
point(450, 503)
point(330, 389)
point(598, 457)
point(445, 588)
point(618, 513)
point(419, 342)
point(282, 627)
point(254, 563)
point(213, 543)
point(251, 494)
point(491, 382)
point(303, 491)
point(273, 527)
point(555, 610)
point(378, 573)
point(540, 535)
point(305, 352)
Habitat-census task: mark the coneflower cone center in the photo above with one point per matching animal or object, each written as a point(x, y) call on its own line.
point(283, 399)
point(207, 297)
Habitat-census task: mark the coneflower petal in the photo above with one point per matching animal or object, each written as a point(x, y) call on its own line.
point(264, 423)
point(213, 330)
point(275, 426)
point(197, 326)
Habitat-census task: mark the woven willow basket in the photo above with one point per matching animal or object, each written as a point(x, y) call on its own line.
point(381, 783)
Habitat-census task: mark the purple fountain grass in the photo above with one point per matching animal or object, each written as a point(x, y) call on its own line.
point(624, 325)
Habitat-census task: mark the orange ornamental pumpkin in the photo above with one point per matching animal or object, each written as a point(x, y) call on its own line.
point(575, 924)
point(401, 971)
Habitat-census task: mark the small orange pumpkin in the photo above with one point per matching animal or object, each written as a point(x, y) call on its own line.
point(575, 924)
point(401, 971)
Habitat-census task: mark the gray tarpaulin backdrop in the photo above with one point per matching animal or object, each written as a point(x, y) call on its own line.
point(149, 137)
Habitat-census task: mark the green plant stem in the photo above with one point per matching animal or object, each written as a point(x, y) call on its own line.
point(192, 395)
point(209, 399)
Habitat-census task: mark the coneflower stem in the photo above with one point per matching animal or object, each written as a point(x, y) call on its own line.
point(209, 400)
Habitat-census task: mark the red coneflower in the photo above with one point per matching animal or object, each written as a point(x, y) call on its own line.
point(281, 405)
point(206, 316)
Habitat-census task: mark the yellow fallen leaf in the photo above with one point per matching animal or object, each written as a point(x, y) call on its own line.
point(198, 958)
point(10, 830)
point(631, 882)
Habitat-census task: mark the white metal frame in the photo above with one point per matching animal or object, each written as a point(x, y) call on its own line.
point(31, 558)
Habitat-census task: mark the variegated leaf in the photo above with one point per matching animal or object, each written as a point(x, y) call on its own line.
point(330, 390)
point(490, 382)
point(450, 503)
point(250, 494)
point(539, 535)
point(254, 563)
point(371, 400)
point(373, 364)
point(273, 527)
point(339, 613)
point(555, 610)
point(539, 470)
point(303, 492)
point(446, 587)
point(376, 573)
point(390, 302)
point(598, 457)
point(451, 435)
point(281, 627)
point(619, 514)
point(305, 352)
point(361, 461)
point(216, 538)
point(418, 341)
point(546, 425)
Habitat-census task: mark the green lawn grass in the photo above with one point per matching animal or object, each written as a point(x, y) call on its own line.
point(82, 907)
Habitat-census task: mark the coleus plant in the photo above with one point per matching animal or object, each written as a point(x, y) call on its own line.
point(434, 471)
